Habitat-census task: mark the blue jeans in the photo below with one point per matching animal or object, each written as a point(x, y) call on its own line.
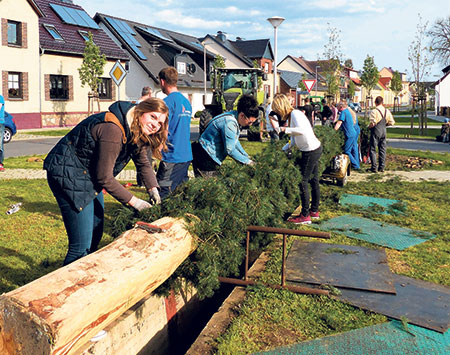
point(351, 149)
point(2, 132)
point(84, 228)
point(170, 175)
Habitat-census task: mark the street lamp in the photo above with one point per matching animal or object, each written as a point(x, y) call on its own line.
point(317, 66)
point(275, 22)
point(204, 43)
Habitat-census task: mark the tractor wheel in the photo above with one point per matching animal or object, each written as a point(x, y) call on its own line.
point(205, 118)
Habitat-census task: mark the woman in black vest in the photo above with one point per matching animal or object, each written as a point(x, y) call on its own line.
point(88, 158)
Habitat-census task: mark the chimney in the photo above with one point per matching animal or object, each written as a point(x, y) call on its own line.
point(238, 39)
point(221, 36)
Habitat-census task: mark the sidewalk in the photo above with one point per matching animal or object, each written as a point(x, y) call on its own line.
point(26, 174)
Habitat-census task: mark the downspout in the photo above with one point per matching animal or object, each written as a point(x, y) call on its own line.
point(41, 53)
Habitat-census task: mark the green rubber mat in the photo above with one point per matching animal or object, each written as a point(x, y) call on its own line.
point(374, 204)
point(379, 233)
point(382, 339)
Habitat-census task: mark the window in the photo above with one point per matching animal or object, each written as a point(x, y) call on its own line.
point(181, 68)
point(14, 85)
point(84, 34)
point(104, 89)
point(14, 33)
point(266, 67)
point(59, 87)
point(53, 32)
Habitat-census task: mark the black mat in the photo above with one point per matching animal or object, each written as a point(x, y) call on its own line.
point(422, 303)
point(339, 265)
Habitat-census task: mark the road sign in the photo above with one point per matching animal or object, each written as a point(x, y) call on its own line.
point(309, 84)
point(117, 73)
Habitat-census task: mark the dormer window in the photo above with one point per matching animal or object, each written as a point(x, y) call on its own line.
point(181, 67)
point(54, 32)
point(84, 34)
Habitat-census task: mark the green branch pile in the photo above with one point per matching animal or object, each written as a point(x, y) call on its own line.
point(219, 210)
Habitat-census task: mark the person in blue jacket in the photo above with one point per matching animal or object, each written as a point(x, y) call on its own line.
point(221, 138)
point(173, 168)
point(348, 124)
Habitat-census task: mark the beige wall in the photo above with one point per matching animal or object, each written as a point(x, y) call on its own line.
point(25, 59)
point(290, 65)
point(230, 60)
point(70, 112)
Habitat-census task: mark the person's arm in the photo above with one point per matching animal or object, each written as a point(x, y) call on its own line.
point(231, 141)
point(389, 118)
point(108, 137)
point(373, 119)
point(143, 162)
point(338, 125)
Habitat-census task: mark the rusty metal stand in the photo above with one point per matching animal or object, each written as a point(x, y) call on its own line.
point(285, 232)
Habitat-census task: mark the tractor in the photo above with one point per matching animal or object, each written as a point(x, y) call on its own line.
point(228, 87)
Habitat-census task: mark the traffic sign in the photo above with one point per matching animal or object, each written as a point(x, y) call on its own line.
point(309, 84)
point(117, 73)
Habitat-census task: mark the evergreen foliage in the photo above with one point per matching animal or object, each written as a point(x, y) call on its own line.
point(219, 210)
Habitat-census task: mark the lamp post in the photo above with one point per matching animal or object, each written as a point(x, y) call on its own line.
point(204, 43)
point(275, 22)
point(317, 66)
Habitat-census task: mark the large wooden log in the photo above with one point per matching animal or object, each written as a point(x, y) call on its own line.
point(61, 311)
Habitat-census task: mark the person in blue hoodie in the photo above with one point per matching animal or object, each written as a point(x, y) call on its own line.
point(349, 125)
point(87, 159)
point(221, 138)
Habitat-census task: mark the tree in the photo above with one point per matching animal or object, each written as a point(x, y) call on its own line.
point(351, 88)
point(396, 85)
point(418, 55)
point(369, 77)
point(348, 63)
point(440, 40)
point(91, 69)
point(301, 84)
point(219, 62)
point(332, 59)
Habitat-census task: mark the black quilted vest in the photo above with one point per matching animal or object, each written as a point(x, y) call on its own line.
point(72, 161)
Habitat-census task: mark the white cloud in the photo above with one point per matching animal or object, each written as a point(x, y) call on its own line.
point(176, 17)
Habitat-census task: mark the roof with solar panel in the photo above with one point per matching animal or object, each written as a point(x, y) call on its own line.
point(65, 26)
point(155, 48)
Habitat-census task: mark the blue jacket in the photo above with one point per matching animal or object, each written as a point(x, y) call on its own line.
point(221, 138)
point(347, 124)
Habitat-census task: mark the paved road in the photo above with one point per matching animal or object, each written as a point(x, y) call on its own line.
point(23, 144)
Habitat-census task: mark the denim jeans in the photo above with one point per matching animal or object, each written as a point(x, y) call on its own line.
point(84, 228)
point(309, 165)
point(170, 175)
point(2, 131)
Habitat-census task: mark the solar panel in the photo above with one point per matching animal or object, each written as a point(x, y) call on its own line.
point(156, 33)
point(126, 32)
point(198, 45)
point(74, 16)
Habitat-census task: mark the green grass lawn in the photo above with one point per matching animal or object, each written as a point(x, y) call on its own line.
point(406, 121)
point(397, 132)
point(270, 318)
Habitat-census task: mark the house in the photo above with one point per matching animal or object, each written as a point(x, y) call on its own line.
point(63, 31)
point(353, 75)
point(19, 53)
point(442, 88)
point(42, 48)
point(404, 95)
point(310, 69)
point(151, 49)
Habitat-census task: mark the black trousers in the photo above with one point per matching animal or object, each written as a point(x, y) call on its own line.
point(309, 166)
point(202, 163)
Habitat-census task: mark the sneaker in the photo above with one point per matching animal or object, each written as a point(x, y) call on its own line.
point(301, 220)
point(2, 167)
point(314, 215)
point(100, 335)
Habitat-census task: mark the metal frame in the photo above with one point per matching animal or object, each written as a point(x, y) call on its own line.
point(285, 232)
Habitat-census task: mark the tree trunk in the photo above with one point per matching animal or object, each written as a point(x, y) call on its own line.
point(61, 311)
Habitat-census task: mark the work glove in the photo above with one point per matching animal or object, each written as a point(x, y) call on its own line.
point(154, 196)
point(252, 163)
point(139, 204)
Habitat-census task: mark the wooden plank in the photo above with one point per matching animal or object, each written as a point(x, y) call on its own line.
point(61, 311)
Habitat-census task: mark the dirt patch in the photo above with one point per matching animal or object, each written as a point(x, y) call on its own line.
point(409, 162)
point(396, 264)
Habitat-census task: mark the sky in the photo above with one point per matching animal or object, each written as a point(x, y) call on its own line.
point(383, 29)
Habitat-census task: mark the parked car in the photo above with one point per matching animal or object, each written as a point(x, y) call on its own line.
point(355, 106)
point(10, 128)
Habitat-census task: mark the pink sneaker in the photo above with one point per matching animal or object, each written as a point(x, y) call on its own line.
point(2, 168)
point(314, 215)
point(301, 220)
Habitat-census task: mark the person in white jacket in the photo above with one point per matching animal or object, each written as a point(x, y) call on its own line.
point(303, 137)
